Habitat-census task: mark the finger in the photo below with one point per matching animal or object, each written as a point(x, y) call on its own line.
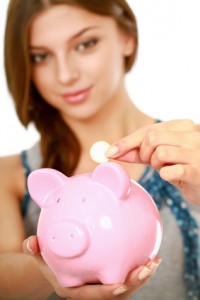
point(186, 177)
point(126, 144)
point(30, 246)
point(186, 173)
point(197, 127)
point(137, 278)
point(189, 140)
point(169, 155)
point(152, 153)
point(133, 156)
point(135, 139)
point(90, 292)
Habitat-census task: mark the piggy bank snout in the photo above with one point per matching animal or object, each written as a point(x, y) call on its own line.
point(68, 239)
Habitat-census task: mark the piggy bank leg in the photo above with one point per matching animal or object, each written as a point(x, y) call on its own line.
point(112, 275)
point(69, 281)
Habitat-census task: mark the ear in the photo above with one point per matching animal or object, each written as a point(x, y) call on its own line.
point(114, 177)
point(129, 45)
point(42, 182)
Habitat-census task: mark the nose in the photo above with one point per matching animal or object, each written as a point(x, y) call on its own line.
point(68, 239)
point(67, 70)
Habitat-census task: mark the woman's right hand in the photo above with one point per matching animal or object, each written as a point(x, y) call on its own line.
point(133, 282)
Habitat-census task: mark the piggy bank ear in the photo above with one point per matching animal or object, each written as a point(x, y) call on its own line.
point(114, 177)
point(42, 182)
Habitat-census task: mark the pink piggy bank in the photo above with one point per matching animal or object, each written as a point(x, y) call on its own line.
point(94, 227)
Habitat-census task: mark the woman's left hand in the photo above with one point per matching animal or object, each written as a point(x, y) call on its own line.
point(135, 279)
point(172, 148)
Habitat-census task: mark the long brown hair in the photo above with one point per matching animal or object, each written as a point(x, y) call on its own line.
point(59, 145)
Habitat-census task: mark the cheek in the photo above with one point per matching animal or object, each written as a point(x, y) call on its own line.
point(107, 67)
point(42, 80)
point(112, 70)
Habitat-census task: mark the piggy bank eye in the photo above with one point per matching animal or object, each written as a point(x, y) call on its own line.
point(58, 200)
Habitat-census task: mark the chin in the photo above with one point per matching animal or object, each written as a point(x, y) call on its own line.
point(84, 114)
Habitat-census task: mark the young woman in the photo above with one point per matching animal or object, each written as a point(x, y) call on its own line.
point(65, 64)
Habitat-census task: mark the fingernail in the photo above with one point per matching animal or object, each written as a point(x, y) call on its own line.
point(154, 265)
point(149, 270)
point(146, 272)
point(112, 150)
point(28, 247)
point(120, 290)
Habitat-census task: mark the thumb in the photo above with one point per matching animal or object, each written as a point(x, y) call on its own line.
point(31, 246)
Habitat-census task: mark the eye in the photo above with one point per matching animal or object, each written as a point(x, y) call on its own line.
point(38, 57)
point(86, 45)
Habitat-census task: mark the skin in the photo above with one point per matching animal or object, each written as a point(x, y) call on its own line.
point(86, 57)
point(172, 148)
point(75, 60)
point(62, 62)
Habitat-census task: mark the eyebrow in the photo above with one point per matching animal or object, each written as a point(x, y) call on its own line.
point(75, 36)
point(82, 32)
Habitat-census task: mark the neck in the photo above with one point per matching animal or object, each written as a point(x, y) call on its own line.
point(119, 118)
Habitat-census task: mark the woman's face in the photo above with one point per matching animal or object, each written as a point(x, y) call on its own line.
point(77, 60)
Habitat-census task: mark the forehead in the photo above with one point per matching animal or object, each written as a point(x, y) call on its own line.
point(67, 18)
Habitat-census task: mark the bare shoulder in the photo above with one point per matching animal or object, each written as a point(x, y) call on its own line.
point(12, 174)
point(12, 185)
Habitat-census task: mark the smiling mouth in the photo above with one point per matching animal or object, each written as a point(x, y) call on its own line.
point(77, 97)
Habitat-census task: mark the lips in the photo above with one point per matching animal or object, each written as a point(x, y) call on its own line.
point(77, 97)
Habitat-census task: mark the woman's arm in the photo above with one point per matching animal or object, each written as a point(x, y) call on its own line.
point(21, 279)
point(19, 273)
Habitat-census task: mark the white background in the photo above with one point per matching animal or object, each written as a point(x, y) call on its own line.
point(164, 82)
